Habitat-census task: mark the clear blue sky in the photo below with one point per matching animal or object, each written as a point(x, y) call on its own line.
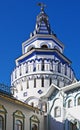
point(17, 20)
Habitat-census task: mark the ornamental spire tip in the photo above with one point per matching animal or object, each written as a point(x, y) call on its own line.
point(42, 5)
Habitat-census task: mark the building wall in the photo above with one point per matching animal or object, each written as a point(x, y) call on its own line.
point(64, 110)
point(14, 111)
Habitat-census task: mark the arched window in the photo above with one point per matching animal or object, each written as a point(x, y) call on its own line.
point(18, 120)
point(34, 127)
point(1, 123)
point(70, 104)
point(34, 123)
point(18, 125)
point(73, 126)
point(44, 46)
point(78, 100)
point(57, 111)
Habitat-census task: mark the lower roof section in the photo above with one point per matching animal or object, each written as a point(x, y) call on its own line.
point(40, 52)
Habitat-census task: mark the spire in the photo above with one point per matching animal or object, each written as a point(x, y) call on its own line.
point(42, 6)
point(42, 22)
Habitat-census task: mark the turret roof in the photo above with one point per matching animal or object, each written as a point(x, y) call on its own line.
point(42, 23)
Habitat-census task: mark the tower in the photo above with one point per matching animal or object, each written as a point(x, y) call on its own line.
point(42, 63)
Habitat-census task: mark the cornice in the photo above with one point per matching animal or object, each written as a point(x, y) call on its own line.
point(44, 50)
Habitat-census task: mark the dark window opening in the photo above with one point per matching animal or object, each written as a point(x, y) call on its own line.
point(44, 46)
point(50, 81)
point(42, 65)
point(42, 81)
point(34, 82)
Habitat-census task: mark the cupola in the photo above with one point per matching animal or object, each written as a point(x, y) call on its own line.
point(42, 23)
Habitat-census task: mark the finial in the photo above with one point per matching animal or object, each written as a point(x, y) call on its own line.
point(42, 5)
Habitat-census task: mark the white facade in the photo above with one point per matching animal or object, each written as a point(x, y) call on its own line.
point(15, 115)
point(43, 77)
point(37, 69)
point(64, 107)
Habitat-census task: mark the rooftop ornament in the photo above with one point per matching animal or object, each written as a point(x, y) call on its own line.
point(42, 5)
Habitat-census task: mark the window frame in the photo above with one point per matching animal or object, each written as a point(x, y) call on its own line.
point(18, 115)
point(34, 120)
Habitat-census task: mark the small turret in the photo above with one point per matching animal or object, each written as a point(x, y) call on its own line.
point(42, 23)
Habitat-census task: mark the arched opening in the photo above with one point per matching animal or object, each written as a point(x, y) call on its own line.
point(44, 46)
point(57, 111)
point(34, 127)
point(18, 125)
point(73, 126)
point(34, 123)
point(70, 104)
point(18, 120)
